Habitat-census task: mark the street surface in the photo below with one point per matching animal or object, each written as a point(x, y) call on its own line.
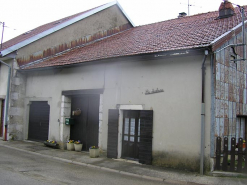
point(20, 168)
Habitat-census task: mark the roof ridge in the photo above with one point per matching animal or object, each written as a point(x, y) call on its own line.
point(178, 18)
point(189, 16)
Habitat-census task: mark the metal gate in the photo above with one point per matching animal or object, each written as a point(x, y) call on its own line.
point(39, 121)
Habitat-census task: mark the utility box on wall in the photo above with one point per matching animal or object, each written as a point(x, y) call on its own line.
point(69, 121)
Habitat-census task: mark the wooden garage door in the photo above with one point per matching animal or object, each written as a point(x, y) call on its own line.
point(86, 127)
point(2, 117)
point(39, 121)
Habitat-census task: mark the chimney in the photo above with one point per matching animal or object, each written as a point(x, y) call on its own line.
point(226, 10)
point(182, 14)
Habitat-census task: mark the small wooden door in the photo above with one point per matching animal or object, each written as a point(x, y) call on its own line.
point(39, 116)
point(137, 143)
point(131, 134)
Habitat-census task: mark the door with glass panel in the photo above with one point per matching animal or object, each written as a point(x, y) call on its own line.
point(131, 134)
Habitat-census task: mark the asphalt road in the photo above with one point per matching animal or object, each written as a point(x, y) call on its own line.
point(20, 168)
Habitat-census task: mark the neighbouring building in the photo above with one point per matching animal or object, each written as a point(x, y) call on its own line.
point(159, 93)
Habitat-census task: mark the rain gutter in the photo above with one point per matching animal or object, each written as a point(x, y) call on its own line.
point(6, 102)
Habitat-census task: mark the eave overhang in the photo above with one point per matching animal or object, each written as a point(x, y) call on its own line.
point(145, 56)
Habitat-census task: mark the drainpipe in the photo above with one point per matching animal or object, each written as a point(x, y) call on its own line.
point(203, 113)
point(243, 30)
point(6, 103)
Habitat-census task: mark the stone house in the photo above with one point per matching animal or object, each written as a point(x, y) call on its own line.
point(159, 93)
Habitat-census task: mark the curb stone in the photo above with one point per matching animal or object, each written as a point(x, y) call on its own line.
point(130, 174)
point(227, 174)
point(64, 160)
point(79, 163)
point(110, 170)
point(93, 166)
point(152, 178)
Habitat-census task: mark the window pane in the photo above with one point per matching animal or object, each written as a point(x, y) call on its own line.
point(126, 126)
point(132, 138)
point(125, 138)
point(132, 126)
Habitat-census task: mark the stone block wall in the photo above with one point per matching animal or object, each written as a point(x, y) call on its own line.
point(16, 105)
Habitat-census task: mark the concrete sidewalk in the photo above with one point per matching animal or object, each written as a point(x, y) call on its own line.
point(121, 166)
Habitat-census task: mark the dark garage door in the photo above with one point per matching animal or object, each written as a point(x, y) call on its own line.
point(86, 127)
point(39, 121)
point(2, 117)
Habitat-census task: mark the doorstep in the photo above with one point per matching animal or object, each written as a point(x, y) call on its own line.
point(129, 161)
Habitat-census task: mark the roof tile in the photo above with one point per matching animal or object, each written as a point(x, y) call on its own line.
point(180, 33)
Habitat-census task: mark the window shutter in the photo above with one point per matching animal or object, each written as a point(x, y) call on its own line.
point(112, 143)
point(146, 136)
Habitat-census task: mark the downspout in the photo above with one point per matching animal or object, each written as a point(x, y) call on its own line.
point(243, 30)
point(6, 103)
point(203, 113)
point(212, 130)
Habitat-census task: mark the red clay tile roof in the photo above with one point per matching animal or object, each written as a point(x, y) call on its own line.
point(181, 33)
point(39, 29)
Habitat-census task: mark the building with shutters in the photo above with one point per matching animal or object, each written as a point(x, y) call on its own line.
point(159, 93)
